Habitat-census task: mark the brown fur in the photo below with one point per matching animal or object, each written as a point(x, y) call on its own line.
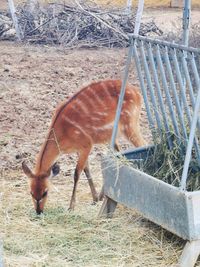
point(84, 120)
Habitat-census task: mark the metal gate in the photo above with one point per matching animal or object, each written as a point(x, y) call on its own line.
point(170, 84)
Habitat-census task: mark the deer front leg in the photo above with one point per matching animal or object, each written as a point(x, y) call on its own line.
point(79, 168)
point(90, 182)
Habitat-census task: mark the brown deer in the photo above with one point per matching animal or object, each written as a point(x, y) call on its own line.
point(79, 123)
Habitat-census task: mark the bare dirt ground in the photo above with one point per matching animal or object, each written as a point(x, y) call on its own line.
point(33, 80)
point(169, 19)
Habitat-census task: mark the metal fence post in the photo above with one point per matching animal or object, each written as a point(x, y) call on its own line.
point(1, 254)
point(190, 142)
point(123, 87)
point(14, 18)
point(128, 6)
point(186, 21)
point(121, 96)
point(138, 16)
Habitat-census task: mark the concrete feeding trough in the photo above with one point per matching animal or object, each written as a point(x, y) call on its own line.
point(166, 205)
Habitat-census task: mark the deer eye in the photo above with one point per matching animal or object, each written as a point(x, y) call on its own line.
point(44, 194)
point(33, 197)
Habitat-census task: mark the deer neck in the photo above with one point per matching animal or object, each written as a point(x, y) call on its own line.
point(47, 156)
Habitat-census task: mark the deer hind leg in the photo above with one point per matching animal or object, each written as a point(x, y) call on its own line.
point(131, 129)
point(79, 168)
point(134, 135)
point(90, 182)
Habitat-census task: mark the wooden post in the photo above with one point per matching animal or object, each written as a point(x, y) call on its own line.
point(14, 18)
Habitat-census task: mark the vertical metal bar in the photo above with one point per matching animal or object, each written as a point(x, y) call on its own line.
point(189, 82)
point(181, 84)
point(158, 88)
point(194, 69)
point(178, 72)
point(1, 253)
point(186, 21)
point(190, 142)
point(196, 77)
point(142, 85)
point(187, 76)
point(138, 16)
point(121, 96)
point(128, 6)
point(150, 85)
point(197, 82)
point(166, 89)
point(186, 25)
point(123, 88)
point(14, 18)
point(174, 90)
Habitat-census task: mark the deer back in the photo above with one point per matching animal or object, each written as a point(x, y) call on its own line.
point(91, 112)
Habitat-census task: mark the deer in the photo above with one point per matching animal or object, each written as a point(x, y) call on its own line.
point(84, 120)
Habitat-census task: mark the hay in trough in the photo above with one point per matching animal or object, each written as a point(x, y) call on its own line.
point(167, 163)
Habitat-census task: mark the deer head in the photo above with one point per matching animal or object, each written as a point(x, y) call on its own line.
point(39, 185)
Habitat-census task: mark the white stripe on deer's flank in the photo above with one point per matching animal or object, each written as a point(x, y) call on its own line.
point(97, 98)
point(82, 106)
point(89, 100)
point(106, 91)
point(76, 125)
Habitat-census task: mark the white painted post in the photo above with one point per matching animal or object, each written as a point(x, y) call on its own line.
point(14, 18)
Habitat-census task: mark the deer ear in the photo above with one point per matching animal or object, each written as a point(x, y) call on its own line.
point(55, 169)
point(26, 170)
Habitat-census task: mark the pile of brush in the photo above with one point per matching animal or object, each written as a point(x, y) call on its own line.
point(79, 25)
point(6, 26)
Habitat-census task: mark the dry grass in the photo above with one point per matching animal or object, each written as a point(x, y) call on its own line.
point(60, 238)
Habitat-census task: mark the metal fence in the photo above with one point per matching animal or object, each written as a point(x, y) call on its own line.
point(170, 85)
